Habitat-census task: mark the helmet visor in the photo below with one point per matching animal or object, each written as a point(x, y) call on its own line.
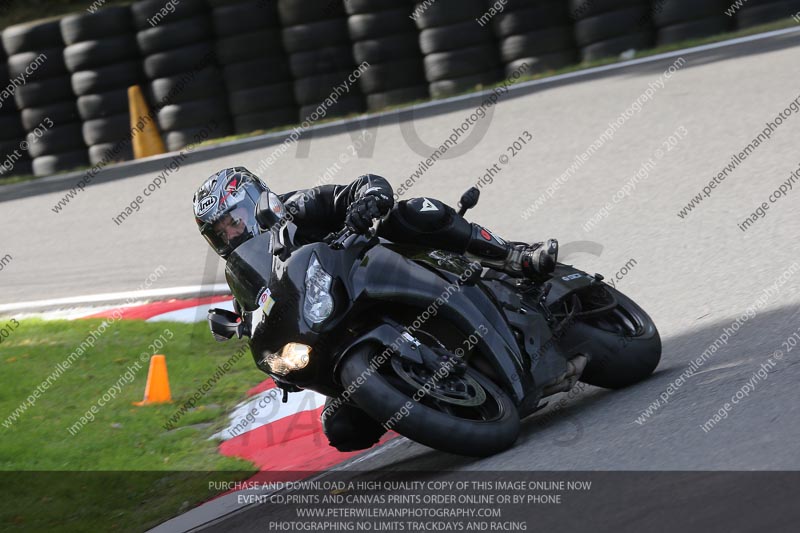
point(234, 227)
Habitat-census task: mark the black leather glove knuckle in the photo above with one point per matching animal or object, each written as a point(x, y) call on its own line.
point(361, 214)
point(357, 218)
point(385, 202)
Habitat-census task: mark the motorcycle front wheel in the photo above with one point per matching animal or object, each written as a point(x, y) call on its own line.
point(622, 343)
point(462, 414)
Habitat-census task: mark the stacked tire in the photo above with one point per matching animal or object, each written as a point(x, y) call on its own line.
point(460, 54)
point(315, 35)
point(385, 37)
point(679, 20)
point(535, 36)
point(756, 12)
point(186, 87)
point(250, 52)
point(13, 159)
point(46, 100)
point(104, 60)
point(607, 28)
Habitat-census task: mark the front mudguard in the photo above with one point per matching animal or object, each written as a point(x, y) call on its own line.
point(393, 337)
point(567, 280)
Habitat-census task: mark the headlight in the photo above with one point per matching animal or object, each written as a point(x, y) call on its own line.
point(292, 357)
point(318, 305)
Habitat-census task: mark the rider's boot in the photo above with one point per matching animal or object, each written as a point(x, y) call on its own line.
point(532, 261)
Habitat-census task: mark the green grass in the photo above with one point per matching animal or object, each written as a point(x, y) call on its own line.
point(17, 178)
point(173, 466)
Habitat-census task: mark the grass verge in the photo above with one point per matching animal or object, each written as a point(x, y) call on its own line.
point(123, 470)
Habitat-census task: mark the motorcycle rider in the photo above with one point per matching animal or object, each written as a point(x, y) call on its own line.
point(233, 205)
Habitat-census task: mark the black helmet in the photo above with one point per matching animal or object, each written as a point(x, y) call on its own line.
point(225, 208)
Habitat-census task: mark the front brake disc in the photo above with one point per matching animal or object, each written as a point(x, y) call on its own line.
point(440, 384)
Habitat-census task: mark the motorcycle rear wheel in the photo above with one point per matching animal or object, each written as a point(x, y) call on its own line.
point(474, 431)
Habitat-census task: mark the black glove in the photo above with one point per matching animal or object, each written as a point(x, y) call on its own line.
point(362, 212)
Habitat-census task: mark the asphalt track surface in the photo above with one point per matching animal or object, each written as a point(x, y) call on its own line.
point(695, 276)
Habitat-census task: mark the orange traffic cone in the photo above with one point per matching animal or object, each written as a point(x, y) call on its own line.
point(146, 138)
point(157, 388)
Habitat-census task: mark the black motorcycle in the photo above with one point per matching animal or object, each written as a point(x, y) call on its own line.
point(428, 343)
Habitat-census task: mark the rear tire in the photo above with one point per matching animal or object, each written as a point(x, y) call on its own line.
point(379, 398)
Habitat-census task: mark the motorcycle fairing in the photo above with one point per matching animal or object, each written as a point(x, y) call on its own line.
point(248, 270)
point(385, 275)
point(565, 281)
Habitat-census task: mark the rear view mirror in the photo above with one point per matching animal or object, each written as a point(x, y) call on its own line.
point(224, 324)
point(469, 200)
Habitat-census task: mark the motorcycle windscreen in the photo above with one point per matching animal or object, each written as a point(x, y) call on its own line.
point(249, 269)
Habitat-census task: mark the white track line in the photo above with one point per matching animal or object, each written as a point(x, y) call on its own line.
point(127, 297)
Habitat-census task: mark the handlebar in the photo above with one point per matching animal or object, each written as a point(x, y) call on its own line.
point(341, 239)
point(336, 240)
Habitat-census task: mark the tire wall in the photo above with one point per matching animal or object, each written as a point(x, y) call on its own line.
point(46, 99)
point(317, 39)
point(384, 36)
point(13, 159)
point(535, 36)
point(756, 12)
point(210, 68)
point(104, 60)
point(186, 86)
point(460, 53)
point(679, 20)
point(249, 50)
point(605, 28)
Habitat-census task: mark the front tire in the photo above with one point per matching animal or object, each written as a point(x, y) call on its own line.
point(387, 399)
point(623, 344)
